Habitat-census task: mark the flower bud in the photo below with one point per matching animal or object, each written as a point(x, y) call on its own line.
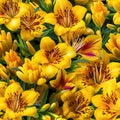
point(44, 107)
point(30, 48)
point(52, 106)
point(111, 26)
point(88, 18)
point(89, 31)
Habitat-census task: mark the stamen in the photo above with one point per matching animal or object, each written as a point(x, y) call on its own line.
point(54, 55)
point(15, 102)
point(9, 8)
point(29, 21)
point(66, 18)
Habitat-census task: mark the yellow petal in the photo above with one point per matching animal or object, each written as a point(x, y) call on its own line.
point(60, 30)
point(14, 24)
point(49, 71)
point(88, 92)
point(79, 27)
point(40, 57)
point(116, 18)
point(82, 10)
point(47, 43)
point(12, 89)
point(30, 96)
point(101, 114)
point(50, 18)
point(3, 104)
point(116, 5)
point(26, 35)
point(98, 101)
point(109, 87)
point(41, 81)
point(30, 111)
point(62, 5)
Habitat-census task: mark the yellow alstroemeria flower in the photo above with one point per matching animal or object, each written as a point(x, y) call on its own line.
point(113, 46)
point(63, 80)
point(31, 24)
point(88, 47)
point(107, 103)
point(96, 73)
point(10, 12)
point(12, 59)
point(30, 72)
point(3, 72)
point(66, 18)
point(99, 13)
point(53, 57)
point(76, 105)
point(5, 42)
point(16, 101)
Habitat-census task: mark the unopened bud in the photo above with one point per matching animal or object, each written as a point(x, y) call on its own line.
point(44, 107)
point(89, 31)
point(52, 106)
point(118, 29)
point(111, 26)
point(46, 117)
point(88, 18)
point(41, 81)
point(98, 32)
point(30, 48)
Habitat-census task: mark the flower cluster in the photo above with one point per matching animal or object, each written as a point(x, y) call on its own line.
point(59, 59)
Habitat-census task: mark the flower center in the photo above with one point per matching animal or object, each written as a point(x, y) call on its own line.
point(110, 101)
point(28, 22)
point(66, 18)
point(54, 55)
point(78, 103)
point(15, 102)
point(77, 43)
point(9, 8)
point(97, 72)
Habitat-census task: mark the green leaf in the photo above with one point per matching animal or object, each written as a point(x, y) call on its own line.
point(43, 5)
point(44, 100)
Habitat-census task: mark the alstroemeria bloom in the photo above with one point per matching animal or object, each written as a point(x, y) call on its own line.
point(31, 24)
point(63, 80)
point(5, 42)
point(76, 105)
point(12, 59)
point(66, 18)
point(113, 45)
point(99, 13)
point(4, 75)
point(30, 72)
point(107, 103)
point(10, 12)
point(96, 73)
point(53, 57)
point(16, 102)
point(88, 47)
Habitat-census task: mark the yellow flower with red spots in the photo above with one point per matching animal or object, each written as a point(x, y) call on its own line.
point(53, 57)
point(15, 102)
